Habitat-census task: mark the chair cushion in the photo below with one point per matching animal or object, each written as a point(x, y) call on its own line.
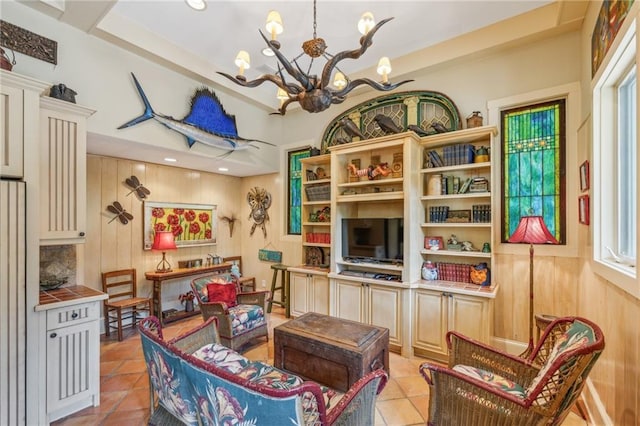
point(222, 293)
point(491, 379)
point(577, 335)
point(245, 317)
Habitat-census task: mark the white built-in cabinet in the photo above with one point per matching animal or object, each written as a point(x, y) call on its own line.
point(371, 303)
point(63, 157)
point(309, 291)
point(72, 342)
point(19, 103)
point(438, 311)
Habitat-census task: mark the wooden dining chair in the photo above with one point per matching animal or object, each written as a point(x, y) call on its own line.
point(123, 302)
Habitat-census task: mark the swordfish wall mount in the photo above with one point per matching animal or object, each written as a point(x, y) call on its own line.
point(207, 122)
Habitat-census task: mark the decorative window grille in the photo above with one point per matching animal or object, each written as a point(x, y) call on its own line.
point(294, 224)
point(533, 166)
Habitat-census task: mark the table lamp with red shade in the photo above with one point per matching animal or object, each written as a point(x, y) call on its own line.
point(531, 230)
point(163, 241)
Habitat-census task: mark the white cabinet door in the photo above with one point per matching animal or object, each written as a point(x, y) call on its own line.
point(319, 294)
point(72, 371)
point(298, 283)
point(349, 299)
point(430, 323)
point(11, 137)
point(384, 307)
point(470, 316)
point(63, 158)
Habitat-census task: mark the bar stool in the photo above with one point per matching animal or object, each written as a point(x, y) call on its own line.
point(283, 287)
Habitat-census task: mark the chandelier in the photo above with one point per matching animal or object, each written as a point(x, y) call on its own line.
point(312, 93)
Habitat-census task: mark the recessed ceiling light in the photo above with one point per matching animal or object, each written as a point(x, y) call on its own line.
point(223, 169)
point(197, 4)
point(170, 160)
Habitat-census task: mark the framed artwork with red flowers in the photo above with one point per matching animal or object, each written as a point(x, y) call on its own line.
point(191, 224)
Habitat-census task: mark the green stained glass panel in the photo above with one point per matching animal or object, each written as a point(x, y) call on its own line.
point(533, 159)
point(294, 224)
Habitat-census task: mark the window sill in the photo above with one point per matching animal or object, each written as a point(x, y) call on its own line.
point(621, 275)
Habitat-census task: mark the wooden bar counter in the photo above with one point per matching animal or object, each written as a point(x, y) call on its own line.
point(159, 277)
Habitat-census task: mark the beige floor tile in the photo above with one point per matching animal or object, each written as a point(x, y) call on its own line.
point(399, 412)
point(413, 385)
point(391, 391)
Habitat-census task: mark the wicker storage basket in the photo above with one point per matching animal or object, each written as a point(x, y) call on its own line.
point(320, 192)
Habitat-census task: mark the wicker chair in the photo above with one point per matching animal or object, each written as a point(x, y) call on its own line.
point(240, 315)
point(484, 386)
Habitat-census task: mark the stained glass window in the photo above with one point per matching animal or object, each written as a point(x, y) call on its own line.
point(533, 146)
point(294, 224)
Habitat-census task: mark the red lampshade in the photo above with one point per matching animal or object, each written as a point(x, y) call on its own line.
point(163, 240)
point(532, 230)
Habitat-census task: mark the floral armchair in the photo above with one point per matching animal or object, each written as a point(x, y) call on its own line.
point(240, 315)
point(492, 387)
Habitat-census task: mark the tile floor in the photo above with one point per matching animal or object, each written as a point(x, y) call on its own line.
point(124, 385)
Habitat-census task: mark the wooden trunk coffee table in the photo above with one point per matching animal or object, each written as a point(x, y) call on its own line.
point(332, 351)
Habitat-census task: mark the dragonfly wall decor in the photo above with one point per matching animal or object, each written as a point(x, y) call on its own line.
point(121, 214)
point(135, 185)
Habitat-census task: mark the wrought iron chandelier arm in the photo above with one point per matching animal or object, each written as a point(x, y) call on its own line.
point(283, 108)
point(365, 42)
point(367, 81)
point(291, 70)
point(290, 88)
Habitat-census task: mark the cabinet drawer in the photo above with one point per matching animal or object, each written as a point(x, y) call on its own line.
point(73, 314)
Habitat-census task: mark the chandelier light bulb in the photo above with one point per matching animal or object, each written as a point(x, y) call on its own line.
point(243, 63)
point(384, 68)
point(339, 81)
point(366, 22)
point(282, 94)
point(274, 24)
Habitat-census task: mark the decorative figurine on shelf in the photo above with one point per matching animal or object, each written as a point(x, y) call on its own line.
point(468, 246)
point(481, 274)
point(453, 244)
point(482, 155)
point(486, 248)
point(429, 271)
point(387, 124)
point(370, 172)
point(62, 92)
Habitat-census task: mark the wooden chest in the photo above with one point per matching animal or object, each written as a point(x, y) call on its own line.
point(331, 351)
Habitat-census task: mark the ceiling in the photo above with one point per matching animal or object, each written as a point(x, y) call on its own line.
point(200, 43)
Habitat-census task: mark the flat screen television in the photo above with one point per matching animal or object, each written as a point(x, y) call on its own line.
point(372, 239)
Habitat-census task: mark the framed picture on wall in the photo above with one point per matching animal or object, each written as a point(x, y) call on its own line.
point(584, 176)
point(583, 209)
point(191, 224)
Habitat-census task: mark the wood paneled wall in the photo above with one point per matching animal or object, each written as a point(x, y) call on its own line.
point(111, 246)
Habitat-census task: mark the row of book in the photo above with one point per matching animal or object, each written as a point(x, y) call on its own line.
point(459, 272)
point(438, 214)
point(481, 213)
point(452, 155)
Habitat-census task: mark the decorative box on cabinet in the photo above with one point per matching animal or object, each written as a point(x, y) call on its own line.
point(316, 211)
point(309, 291)
point(72, 352)
point(19, 106)
point(442, 308)
point(461, 206)
point(371, 303)
point(63, 157)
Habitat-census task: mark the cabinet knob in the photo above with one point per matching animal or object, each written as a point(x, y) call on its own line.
point(82, 234)
point(53, 335)
point(74, 315)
